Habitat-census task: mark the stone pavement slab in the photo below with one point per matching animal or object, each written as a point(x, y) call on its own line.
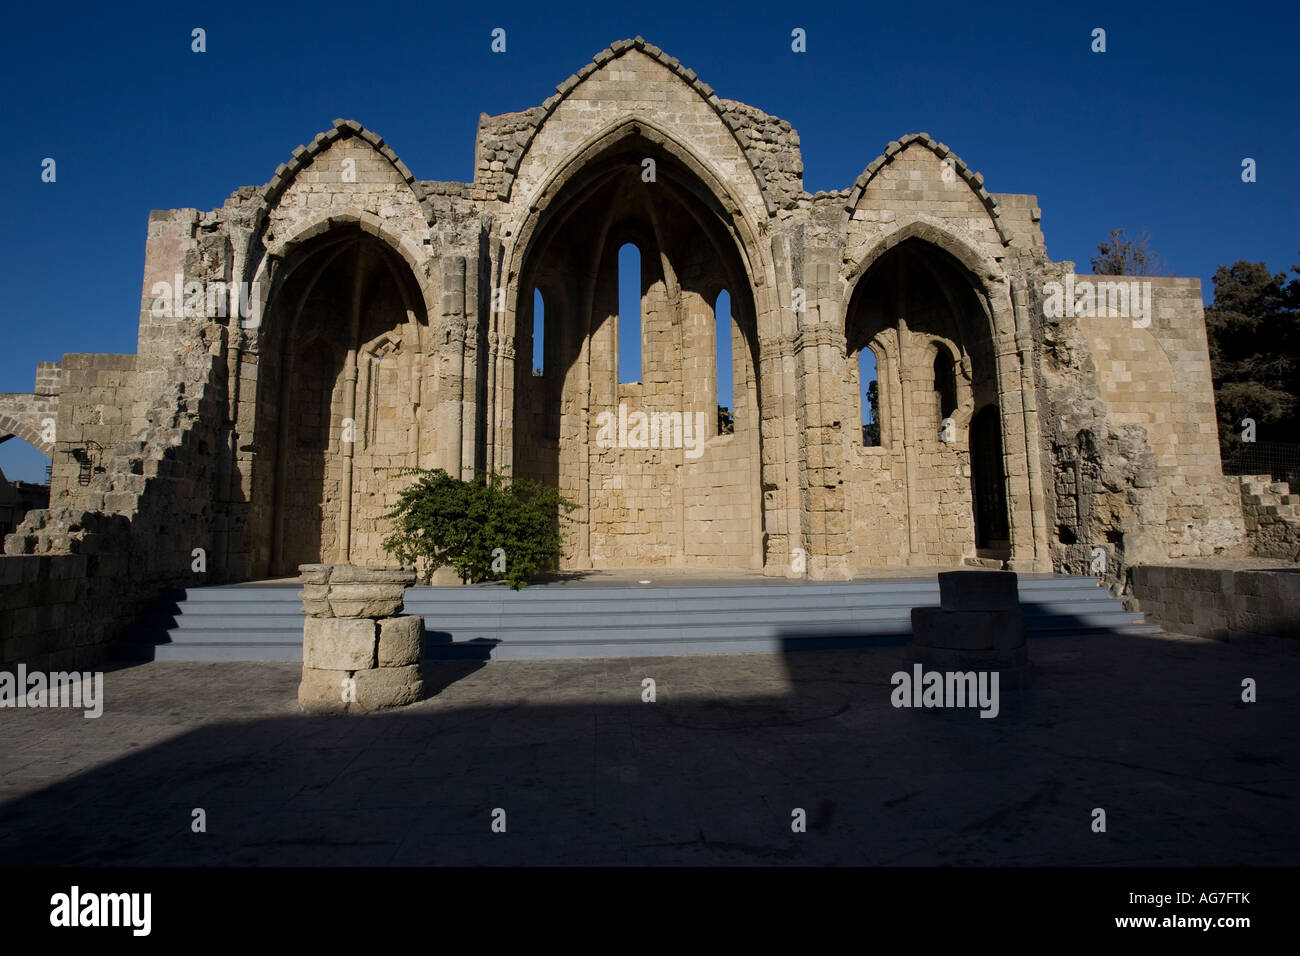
point(1151, 729)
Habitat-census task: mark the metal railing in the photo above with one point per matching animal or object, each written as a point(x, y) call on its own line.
point(1279, 459)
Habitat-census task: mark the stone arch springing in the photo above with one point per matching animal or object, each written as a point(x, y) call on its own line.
point(28, 432)
point(269, 271)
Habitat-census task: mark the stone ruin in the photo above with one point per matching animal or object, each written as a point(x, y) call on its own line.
point(347, 318)
point(359, 652)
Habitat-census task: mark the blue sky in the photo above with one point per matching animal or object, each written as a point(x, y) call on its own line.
point(1149, 135)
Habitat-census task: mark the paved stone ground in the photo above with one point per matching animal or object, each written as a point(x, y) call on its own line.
point(1151, 729)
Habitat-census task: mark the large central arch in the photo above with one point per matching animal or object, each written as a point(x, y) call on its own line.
point(679, 494)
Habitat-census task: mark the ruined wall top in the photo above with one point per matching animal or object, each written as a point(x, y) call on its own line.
point(767, 157)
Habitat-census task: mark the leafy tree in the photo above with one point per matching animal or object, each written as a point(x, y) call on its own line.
point(1254, 337)
point(488, 528)
point(1122, 256)
point(726, 421)
point(871, 432)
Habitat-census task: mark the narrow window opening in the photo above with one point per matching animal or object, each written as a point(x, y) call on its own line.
point(722, 367)
point(945, 384)
point(629, 313)
point(539, 333)
point(869, 397)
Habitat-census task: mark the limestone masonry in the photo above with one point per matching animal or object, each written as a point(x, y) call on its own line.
point(348, 318)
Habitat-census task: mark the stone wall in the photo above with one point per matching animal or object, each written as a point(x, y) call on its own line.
point(77, 574)
point(1158, 378)
point(1220, 604)
point(1134, 447)
point(1272, 516)
point(103, 402)
point(74, 579)
point(61, 611)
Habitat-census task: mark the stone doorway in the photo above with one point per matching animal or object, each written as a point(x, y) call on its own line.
point(988, 485)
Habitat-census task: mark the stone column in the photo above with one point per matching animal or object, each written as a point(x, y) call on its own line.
point(359, 653)
point(451, 387)
point(1042, 560)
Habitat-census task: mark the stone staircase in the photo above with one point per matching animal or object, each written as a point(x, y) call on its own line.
point(1272, 516)
point(263, 621)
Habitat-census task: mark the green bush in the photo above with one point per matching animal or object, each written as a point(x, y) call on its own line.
point(441, 521)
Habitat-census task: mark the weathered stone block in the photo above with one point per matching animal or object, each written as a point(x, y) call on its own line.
point(351, 574)
point(324, 691)
point(338, 643)
point(937, 627)
point(366, 600)
point(315, 600)
point(388, 687)
point(980, 638)
point(978, 590)
point(401, 641)
point(314, 573)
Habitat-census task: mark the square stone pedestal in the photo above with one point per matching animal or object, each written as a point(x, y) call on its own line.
point(978, 626)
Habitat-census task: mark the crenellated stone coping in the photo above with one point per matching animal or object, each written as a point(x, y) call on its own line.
point(970, 177)
point(538, 115)
point(304, 155)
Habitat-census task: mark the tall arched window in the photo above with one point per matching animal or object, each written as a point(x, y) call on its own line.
point(539, 333)
point(629, 313)
point(868, 378)
point(722, 363)
point(945, 383)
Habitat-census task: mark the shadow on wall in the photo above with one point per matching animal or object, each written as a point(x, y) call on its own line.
point(73, 579)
